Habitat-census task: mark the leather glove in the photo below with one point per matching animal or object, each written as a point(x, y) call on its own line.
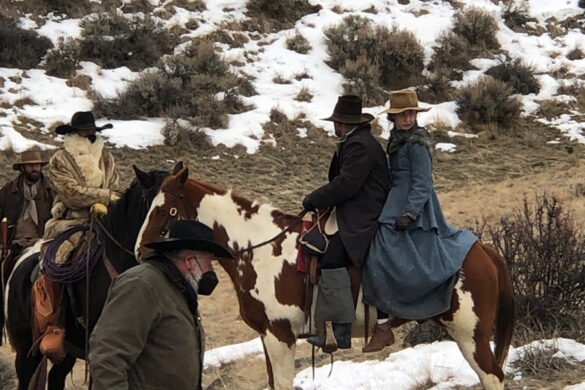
point(307, 205)
point(114, 198)
point(98, 209)
point(402, 222)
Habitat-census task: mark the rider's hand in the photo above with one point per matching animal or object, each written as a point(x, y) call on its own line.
point(114, 198)
point(307, 205)
point(98, 209)
point(402, 222)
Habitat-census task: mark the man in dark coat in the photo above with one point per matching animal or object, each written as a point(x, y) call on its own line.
point(357, 188)
point(149, 334)
point(26, 203)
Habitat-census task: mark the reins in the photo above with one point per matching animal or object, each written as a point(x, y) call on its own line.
point(111, 237)
point(172, 211)
point(281, 233)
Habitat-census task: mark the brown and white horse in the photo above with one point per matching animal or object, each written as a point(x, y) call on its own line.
point(271, 292)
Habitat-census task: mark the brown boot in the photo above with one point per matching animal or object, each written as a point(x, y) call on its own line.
point(381, 338)
point(53, 343)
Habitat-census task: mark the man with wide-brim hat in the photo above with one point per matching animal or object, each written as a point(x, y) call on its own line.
point(80, 122)
point(85, 180)
point(149, 333)
point(26, 203)
point(358, 183)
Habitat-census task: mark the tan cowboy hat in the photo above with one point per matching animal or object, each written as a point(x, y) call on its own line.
point(349, 110)
point(403, 100)
point(32, 156)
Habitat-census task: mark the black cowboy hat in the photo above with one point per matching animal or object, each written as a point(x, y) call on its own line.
point(190, 234)
point(81, 120)
point(349, 110)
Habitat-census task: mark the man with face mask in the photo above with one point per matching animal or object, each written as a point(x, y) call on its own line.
point(149, 333)
point(84, 179)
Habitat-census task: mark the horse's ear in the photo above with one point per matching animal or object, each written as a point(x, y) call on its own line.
point(183, 175)
point(177, 168)
point(144, 178)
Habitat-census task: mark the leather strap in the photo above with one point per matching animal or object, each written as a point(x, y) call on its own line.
point(109, 266)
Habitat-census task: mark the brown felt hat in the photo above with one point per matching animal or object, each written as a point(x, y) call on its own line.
point(404, 100)
point(32, 156)
point(81, 120)
point(349, 110)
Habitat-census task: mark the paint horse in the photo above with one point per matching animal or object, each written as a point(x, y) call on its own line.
point(271, 292)
point(122, 224)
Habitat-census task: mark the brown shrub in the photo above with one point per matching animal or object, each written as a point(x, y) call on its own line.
point(20, 48)
point(545, 252)
point(280, 14)
point(478, 28)
point(516, 75)
point(298, 43)
point(195, 85)
point(487, 102)
point(394, 57)
point(452, 53)
point(63, 61)
point(112, 40)
point(515, 16)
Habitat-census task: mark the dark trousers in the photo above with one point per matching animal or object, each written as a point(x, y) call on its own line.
point(335, 256)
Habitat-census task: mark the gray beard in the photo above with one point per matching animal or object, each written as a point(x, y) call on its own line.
point(192, 282)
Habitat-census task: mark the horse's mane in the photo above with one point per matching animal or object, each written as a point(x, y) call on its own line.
point(246, 203)
point(125, 217)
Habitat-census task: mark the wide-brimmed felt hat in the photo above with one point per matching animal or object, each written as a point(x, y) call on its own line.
point(349, 110)
point(81, 120)
point(190, 234)
point(32, 156)
point(404, 100)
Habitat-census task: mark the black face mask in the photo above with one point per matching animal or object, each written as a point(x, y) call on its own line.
point(207, 283)
point(91, 137)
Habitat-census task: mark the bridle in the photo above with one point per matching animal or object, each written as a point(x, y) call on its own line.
point(172, 212)
point(179, 198)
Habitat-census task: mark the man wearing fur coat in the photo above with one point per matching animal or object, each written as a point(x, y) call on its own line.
point(84, 179)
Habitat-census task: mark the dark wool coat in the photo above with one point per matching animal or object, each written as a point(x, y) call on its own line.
point(146, 336)
point(357, 188)
point(12, 202)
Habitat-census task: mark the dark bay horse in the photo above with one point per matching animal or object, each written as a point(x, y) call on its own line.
point(271, 292)
point(122, 222)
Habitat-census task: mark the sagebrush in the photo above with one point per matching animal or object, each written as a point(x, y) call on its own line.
point(545, 251)
point(20, 48)
point(374, 60)
point(516, 75)
point(488, 102)
point(196, 85)
point(113, 40)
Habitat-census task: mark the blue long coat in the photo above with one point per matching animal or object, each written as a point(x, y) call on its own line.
point(410, 274)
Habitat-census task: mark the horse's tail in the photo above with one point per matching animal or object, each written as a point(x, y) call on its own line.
point(505, 314)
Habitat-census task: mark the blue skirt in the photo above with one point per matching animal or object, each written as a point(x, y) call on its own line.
point(411, 274)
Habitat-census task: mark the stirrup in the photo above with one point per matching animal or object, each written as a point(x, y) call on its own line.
point(327, 341)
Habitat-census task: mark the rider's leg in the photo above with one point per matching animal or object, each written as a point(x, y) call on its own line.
point(334, 300)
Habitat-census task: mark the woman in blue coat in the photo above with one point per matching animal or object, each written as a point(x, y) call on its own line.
point(413, 260)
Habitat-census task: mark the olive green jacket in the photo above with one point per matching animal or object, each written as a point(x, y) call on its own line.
point(146, 337)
